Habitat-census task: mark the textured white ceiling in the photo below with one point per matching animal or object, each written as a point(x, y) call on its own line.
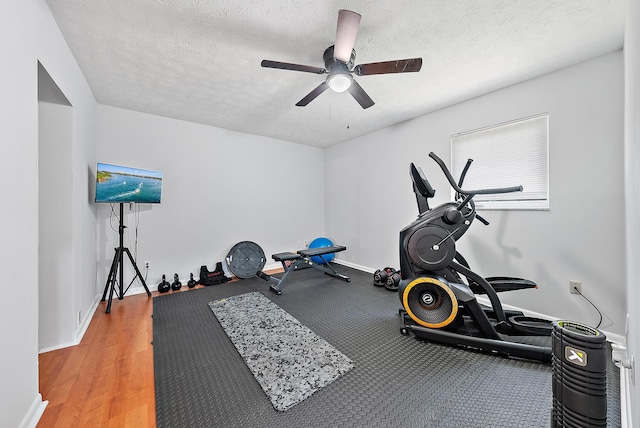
point(199, 60)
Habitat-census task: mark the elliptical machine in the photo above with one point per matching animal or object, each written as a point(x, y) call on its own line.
point(438, 289)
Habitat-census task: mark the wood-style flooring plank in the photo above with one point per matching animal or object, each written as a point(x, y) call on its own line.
point(106, 380)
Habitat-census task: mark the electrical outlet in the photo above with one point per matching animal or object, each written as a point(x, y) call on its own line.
point(147, 264)
point(79, 317)
point(306, 244)
point(575, 287)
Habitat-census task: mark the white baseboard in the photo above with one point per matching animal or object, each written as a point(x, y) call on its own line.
point(138, 290)
point(88, 316)
point(272, 266)
point(79, 334)
point(58, 346)
point(34, 413)
point(354, 266)
point(625, 399)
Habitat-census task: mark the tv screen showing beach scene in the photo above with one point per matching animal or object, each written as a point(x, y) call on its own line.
point(122, 184)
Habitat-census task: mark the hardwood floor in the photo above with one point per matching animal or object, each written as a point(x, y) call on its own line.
point(106, 380)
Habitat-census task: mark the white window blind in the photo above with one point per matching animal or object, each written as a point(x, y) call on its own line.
point(509, 154)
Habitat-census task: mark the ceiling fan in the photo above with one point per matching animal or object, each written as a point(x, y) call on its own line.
point(339, 64)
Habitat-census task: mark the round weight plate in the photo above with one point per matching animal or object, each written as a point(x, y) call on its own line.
point(246, 259)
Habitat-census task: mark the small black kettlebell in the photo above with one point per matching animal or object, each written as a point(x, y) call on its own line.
point(176, 285)
point(192, 282)
point(164, 286)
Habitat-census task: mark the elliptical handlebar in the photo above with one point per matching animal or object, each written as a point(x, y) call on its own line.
point(471, 193)
point(463, 175)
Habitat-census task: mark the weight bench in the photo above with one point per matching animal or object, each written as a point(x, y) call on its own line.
point(302, 258)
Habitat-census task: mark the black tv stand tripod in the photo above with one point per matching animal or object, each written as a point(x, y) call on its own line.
point(118, 263)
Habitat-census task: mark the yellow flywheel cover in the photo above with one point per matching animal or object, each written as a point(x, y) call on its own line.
point(433, 297)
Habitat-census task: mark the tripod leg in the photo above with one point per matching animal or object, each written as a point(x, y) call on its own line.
point(138, 272)
point(110, 296)
point(112, 274)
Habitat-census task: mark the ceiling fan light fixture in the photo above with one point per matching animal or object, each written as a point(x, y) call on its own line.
point(339, 82)
point(339, 66)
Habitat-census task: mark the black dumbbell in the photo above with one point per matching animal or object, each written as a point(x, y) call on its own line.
point(380, 276)
point(164, 286)
point(176, 285)
point(393, 281)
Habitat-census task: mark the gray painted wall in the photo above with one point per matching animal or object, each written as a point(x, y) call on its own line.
point(220, 187)
point(369, 196)
point(632, 197)
point(56, 323)
point(28, 34)
point(19, 249)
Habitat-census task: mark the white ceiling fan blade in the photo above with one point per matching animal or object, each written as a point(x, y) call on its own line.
point(348, 23)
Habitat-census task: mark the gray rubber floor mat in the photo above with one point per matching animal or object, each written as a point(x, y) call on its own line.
point(397, 381)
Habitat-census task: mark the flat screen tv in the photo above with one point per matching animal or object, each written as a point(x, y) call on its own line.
point(123, 184)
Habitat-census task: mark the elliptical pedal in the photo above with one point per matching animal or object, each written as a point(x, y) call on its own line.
point(531, 326)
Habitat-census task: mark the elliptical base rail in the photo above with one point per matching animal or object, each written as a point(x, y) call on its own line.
point(486, 345)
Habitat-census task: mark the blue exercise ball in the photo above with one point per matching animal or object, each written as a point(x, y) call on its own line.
point(319, 243)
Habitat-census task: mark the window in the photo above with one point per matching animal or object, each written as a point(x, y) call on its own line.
point(504, 155)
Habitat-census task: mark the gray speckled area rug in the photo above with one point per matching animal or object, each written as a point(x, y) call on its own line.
point(289, 361)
